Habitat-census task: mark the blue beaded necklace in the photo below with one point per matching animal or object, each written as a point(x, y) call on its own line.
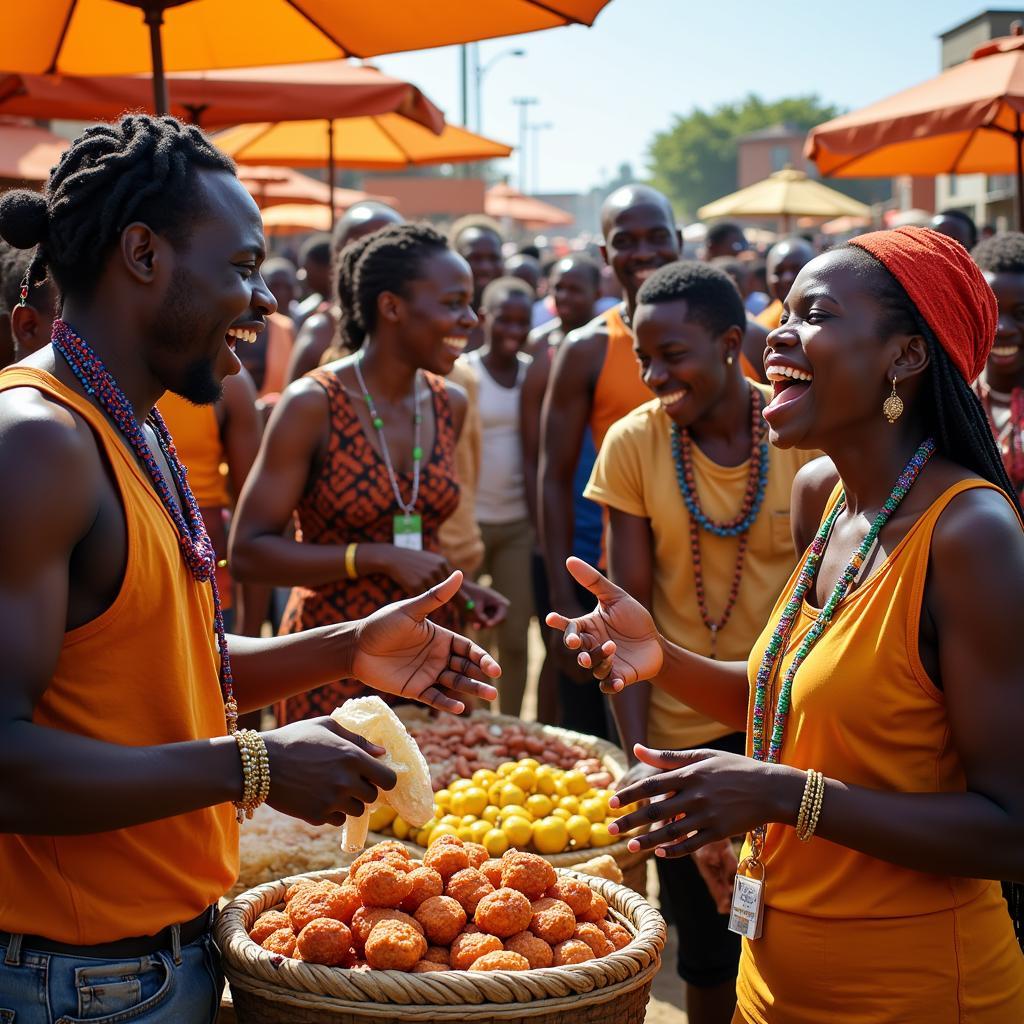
point(193, 540)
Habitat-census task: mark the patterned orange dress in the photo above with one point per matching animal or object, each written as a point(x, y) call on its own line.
point(351, 501)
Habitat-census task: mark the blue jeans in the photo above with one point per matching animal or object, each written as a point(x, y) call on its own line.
point(161, 988)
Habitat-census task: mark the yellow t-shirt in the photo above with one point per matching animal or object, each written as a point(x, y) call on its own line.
point(635, 473)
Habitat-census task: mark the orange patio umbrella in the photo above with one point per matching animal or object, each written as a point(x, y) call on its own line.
point(274, 186)
point(27, 152)
point(505, 202)
point(965, 121)
point(216, 99)
point(105, 37)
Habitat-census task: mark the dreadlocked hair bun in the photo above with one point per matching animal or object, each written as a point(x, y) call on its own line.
point(139, 168)
point(386, 261)
point(24, 219)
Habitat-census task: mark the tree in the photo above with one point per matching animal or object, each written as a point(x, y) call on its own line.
point(694, 161)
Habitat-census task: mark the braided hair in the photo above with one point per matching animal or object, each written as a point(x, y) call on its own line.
point(385, 261)
point(140, 168)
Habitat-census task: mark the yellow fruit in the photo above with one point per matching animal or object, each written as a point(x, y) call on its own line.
point(458, 803)
point(441, 830)
point(570, 803)
point(511, 794)
point(524, 778)
point(495, 842)
point(494, 792)
point(422, 836)
point(545, 784)
point(474, 800)
point(600, 836)
point(575, 782)
point(484, 777)
point(400, 828)
point(478, 830)
point(626, 809)
point(518, 830)
point(491, 813)
point(515, 811)
point(529, 762)
point(382, 817)
point(468, 819)
point(539, 805)
point(459, 784)
point(594, 809)
point(563, 813)
point(443, 799)
point(465, 833)
point(579, 829)
point(506, 769)
point(550, 835)
point(452, 819)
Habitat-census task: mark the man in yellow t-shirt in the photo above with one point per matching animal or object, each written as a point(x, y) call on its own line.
point(702, 435)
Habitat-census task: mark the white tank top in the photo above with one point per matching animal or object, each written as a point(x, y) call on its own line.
point(501, 492)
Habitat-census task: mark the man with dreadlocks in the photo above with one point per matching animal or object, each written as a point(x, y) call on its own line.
point(881, 791)
point(125, 775)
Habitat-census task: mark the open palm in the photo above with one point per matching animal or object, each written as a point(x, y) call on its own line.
point(618, 640)
point(400, 651)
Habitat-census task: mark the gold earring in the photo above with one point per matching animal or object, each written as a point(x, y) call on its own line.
point(892, 407)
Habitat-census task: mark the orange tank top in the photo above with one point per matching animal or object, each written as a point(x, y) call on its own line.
point(145, 672)
point(864, 711)
point(197, 439)
point(619, 388)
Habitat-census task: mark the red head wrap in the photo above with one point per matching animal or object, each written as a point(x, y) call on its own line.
point(946, 286)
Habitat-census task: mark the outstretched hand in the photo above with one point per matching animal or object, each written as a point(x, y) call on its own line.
point(400, 651)
point(618, 641)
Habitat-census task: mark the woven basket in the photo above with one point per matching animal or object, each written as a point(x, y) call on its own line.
point(271, 989)
point(612, 760)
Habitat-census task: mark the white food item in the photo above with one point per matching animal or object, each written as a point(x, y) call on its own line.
point(413, 795)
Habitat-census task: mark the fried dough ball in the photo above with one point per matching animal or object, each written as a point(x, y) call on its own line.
point(572, 951)
point(470, 946)
point(322, 899)
point(325, 941)
point(269, 922)
point(426, 882)
point(594, 938)
point(391, 851)
point(574, 892)
point(468, 887)
point(394, 946)
point(615, 933)
point(552, 920)
point(365, 918)
point(349, 902)
point(500, 960)
point(425, 966)
point(477, 854)
point(492, 870)
point(437, 955)
point(296, 886)
point(381, 884)
point(531, 874)
point(536, 951)
point(597, 910)
point(442, 919)
point(282, 941)
point(503, 913)
point(446, 858)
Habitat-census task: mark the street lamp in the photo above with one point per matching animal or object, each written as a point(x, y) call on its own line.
point(523, 103)
point(481, 71)
point(536, 129)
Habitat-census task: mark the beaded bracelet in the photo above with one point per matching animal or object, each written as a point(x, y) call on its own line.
point(255, 773)
point(805, 802)
point(810, 805)
point(350, 562)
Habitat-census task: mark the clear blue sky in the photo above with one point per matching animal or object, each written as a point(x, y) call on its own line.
point(608, 89)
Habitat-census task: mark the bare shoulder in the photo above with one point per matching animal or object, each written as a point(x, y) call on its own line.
point(303, 407)
point(813, 484)
point(457, 397)
point(979, 528)
point(580, 355)
point(540, 337)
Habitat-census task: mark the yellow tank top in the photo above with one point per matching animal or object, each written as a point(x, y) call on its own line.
point(619, 388)
point(865, 712)
point(145, 672)
point(197, 439)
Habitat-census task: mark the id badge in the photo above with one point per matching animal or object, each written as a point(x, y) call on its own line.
point(408, 532)
point(746, 915)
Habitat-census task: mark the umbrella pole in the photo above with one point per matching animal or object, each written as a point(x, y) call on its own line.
point(154, 15)
point(330, 169)
point(1018, 138)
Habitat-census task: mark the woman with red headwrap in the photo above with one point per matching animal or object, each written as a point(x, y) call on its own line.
point(881, 794)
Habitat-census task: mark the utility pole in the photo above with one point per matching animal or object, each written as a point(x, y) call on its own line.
point(523, 103)
point(535, 130)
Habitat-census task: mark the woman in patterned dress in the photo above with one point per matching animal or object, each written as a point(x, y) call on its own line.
point(358, 443)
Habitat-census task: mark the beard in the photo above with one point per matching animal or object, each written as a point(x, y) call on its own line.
point(177, 325)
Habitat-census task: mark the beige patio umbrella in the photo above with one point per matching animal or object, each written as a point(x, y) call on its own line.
point(785, 194)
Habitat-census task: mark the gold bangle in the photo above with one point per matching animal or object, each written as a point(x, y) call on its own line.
point(805, 802)
point(255, 773)
point(806, 828)
point(350, 562)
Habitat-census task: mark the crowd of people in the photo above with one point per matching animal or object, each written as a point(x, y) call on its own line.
point(773, 507)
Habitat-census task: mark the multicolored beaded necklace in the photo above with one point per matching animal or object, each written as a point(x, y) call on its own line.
point(753, 498)
point(1011, 437)
point(779, 642)
point(193, 540)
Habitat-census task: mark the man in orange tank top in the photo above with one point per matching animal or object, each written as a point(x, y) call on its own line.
point(120, 690)
point(595, 380)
